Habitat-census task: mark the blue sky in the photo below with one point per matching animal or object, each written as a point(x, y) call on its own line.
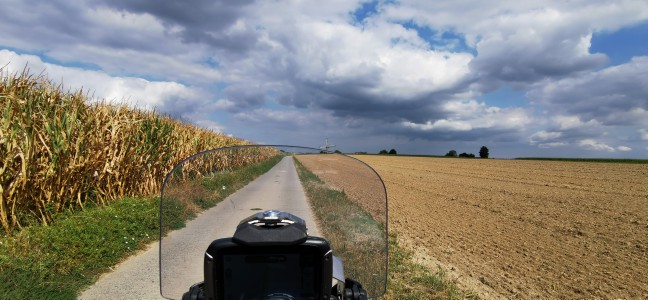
point(623, 44)
point(548, 78)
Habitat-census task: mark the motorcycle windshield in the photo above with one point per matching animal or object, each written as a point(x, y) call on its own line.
point(207, 195)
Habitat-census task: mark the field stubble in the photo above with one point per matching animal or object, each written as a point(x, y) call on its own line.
point(524, 229)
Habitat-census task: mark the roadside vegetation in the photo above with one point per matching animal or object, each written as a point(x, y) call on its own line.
point(61, 150)
point(351, 231)
point(60, 260)
point(338, 216)
point(77, 179)
point(57, 261)
point(410, 280)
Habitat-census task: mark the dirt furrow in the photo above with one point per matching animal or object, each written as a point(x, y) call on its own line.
point(525, 229)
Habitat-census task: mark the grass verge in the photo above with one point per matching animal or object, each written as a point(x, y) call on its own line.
point(352, 232)
point(340, 218)
point(60, 260)
point(409, 280)
point(57, 261)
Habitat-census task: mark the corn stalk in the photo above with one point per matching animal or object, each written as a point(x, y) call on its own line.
point(58, 152)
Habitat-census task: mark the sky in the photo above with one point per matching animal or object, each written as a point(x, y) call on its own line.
point(523, 78)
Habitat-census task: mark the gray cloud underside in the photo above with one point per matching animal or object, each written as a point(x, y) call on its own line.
point(613, 96)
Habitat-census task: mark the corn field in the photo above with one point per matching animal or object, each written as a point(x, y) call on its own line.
point(59, 151)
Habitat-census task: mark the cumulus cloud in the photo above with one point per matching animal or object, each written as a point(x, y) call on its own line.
point(643, 134)
point(592, 105)
point(307, 66)
point(168, 97)
point(552, 145)
point(612, 96)
point(467, 120)
point(93, 35)
point(590, 144)
point(548, 139)
point(520, 43)
point(531, 53)
point(215, 23)
point(209, 124)
point(563, 122)
point(376, 65)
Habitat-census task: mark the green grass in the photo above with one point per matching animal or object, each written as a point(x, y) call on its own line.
point(409, 280)
point(595, 160)
point(55, 262)
point(60, 260)
point(341, 220)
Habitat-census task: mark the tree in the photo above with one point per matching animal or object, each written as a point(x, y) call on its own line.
point(483, 152)
point(468, 155)
point(383, 151)
point(392, 151)
point(452, 153)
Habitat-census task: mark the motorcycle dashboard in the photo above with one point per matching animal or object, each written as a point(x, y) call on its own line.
point(268, 272)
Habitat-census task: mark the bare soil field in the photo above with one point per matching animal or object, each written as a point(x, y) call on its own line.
point(524, 229)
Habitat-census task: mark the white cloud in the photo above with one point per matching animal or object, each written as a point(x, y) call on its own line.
point(552, 145)
point(543, 136)
point(522, 42)
point(623, 149)
point(118, 41)
point(441, 125)
point(606, 103)
point(224, 104)
point(180, 67)
point(212, 125)
point(129, 90)
point(573, 122)
point(590, 144)
point(471, 115)
point(502, 18)
point(125, 21)
point(370, 57)
point(644, 134)
point(547, 139)
point(611, 96)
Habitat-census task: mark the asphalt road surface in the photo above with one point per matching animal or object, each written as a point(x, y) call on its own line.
point(138, 277)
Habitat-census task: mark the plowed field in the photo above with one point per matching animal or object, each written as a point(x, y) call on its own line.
point(524, 229)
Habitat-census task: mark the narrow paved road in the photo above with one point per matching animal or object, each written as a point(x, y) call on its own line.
point(138, 277)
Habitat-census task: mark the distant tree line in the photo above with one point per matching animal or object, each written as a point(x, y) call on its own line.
point(391, 152)
point(483, 153)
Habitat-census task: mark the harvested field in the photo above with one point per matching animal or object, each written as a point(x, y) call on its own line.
point(524, 229)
